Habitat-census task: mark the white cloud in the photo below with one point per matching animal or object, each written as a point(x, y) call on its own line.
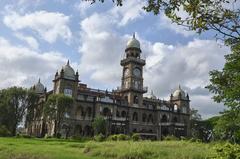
point(166, 65)
point(128, 12)
point(31, 41)
point(22, 66)
point(82, 7)
point(166, 23)
point(49, 25)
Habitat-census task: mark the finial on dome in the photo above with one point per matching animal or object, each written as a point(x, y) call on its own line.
point(134, 35)
point(179, 86)
point(68, 62)
point(39, 80)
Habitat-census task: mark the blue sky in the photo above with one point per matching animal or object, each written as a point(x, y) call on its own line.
point(38, 36)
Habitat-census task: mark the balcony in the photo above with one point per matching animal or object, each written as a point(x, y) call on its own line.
point(171, 123)
point(133, 59)
point(140, 89)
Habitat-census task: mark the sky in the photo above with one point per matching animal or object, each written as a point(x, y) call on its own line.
point(37, 37)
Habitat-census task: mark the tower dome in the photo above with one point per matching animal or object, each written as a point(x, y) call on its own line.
point(39, 87)
point(133, 43)
point(179, 93)
point(69, 73)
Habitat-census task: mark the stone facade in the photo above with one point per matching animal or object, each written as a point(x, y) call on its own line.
point(125, 109)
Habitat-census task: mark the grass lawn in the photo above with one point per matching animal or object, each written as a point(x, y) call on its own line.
point(22, 148)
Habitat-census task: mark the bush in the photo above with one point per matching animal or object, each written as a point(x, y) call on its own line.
point(170, 138)
point(99, 138)
point(113, 137)
point(47, 136)
point(58, 135)
point(226, 151)
point(121, 137)
point(136, 137)
point(4, 131)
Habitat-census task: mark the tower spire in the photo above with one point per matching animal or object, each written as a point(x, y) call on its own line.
point(39, 80)
point(68, 62)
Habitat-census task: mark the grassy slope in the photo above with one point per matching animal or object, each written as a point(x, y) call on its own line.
point(19, 148)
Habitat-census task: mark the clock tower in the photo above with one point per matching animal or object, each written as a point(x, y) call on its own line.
point(132, 76)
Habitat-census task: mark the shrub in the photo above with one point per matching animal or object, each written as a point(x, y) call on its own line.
point(121, 137)
point(183, 138)
point(47, 136)
point(226, 151)
point(99, 138)
point(113, 137)
point(136, 137)
point(4, 131)
point(170, 138)
point(58, 135)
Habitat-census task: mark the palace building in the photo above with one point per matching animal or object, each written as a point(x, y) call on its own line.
point(125, 109)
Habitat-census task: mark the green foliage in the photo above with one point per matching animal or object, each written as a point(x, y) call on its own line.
point(170, 138)
point(225, 86)
point(122, 137)
point(136, 137)
point(14, 102)
point(226, 151)
point(4, 131)
point(99, 137)
point(113, 137)
point(55, 109)
point(99, 125)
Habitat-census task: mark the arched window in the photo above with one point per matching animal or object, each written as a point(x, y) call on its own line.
point(118, 114)
point(123, 114)
point(175, 109)
point(89, 111)
point(150, 118)
point(87, 130)
point(78, 130)
point(135, 100)
point(175, 119)
point(106, 111)
point(184, 110)
point(79, 112)
point(134, 130)
point(164, 118)
point(144, 117)
point(135, 116)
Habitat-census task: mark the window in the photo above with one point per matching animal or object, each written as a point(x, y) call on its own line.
point(118, 114)
point(123, 114)
point(135, 116)
point(184, 110)
point(164, 118)
point(135, 101)
point(106, 112)
point(144, 117)
point(150, 118)
point(68, 92)
point(89, 111)
point(175, 119)
point(175, 109)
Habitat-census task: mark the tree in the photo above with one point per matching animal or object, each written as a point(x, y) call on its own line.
point(221, 16)
point(224, 84)
point(14, 103)
point(57, 108)
point(99, 125)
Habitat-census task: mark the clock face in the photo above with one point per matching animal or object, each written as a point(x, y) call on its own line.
point(126, 72)
point(137, 72)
